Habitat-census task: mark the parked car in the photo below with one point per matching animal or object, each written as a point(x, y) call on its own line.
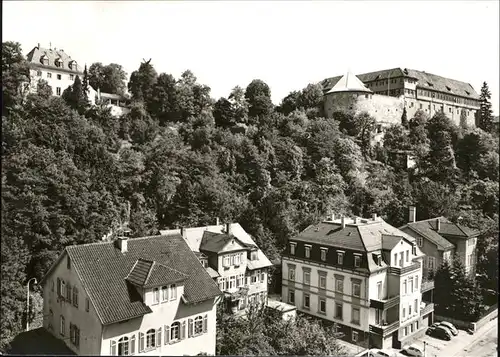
point(439, 332)
point(450, 326)
point(380, 353)
point(413, 350)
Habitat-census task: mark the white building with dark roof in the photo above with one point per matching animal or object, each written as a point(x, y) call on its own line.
point(233, 260)
point(364, 275)
point(141, 296)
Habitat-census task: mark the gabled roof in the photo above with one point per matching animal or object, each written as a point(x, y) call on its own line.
point(215, 242)
point(349, 83)
point(390, 241)
point(52, 55)
point(103, 270)
point(148, 274)
point(424, 80)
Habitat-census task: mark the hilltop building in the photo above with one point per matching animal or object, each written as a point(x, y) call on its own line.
point(147, 296)
point(361, 274)
point(232, 259)
point(384, 94)
point(441, 239)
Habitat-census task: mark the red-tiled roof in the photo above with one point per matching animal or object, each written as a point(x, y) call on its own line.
point(103, 268)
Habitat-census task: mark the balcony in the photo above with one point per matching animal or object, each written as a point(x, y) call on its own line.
point(384, 329)
point(429, 307)
point(426, 286)
point(404, 270)
point(384, 304)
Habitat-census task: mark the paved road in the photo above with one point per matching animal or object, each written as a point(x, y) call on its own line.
point(484, 346)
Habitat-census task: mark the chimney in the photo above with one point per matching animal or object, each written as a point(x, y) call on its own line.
point(217, 221)
point(122, 243)
point(438, 224)
point(374, 216)
point(412, 214)
point(228, 228)
point(183, 232)
point(38, 45)
point(342, 221)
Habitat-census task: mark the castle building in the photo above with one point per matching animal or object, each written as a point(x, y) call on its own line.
point(384, 94)
point(141, 296)
point(364, 275)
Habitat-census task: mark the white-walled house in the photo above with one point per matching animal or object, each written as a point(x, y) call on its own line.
point(232, 258)
point(142, 296)
point(362, 274)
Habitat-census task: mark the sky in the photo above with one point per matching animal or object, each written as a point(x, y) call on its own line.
point(287, 44)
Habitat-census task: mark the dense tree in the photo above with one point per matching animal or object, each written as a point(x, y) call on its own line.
point(75, 96)
point(109, 79)
point(476, 154)
point(258, 95)
point(142, 82)
point(485, 114)
point(15, 75)
point(43, 89)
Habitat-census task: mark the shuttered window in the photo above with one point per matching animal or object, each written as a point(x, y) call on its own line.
point(158, 338)
point(132, 344)
point(112, 348)
point(190, 328)
point(141, 342)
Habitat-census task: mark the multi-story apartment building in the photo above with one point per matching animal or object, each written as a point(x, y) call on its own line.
point(410, 89)
point(142, 296)
point(232, 258)
point(441, 240)
point(361, 274)
point(54, 66)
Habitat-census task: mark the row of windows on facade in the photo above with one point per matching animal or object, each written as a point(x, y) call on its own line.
point(338, 313)
point(168, 293)
point(74, 331)
point(236, 281)
point(411, 312)
point(58, 76)
point(324, 251)
point(392, 81)
point(322, 278)
point(68, 293)
point(446, 97)
point(58, 62)
point(402, 259)
point(441, 108)
point(413, 327)
point(152, 339)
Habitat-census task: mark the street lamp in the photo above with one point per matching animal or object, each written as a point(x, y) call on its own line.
point(28, 304)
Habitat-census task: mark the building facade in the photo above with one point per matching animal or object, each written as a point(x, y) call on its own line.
point(361, 274)
point(441, 240)
point(385, 93)
point(143, 296)
point(232, 259)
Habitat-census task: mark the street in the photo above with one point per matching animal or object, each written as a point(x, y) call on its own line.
point(483, 346)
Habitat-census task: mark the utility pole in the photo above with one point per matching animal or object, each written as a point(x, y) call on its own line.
point(28, 304)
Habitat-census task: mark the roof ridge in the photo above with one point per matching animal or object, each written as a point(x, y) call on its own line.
point(173, 269)
point(149, 272)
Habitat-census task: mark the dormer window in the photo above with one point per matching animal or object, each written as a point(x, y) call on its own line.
point(156, 296)
point(44, 60)
point(307, 249)
point(468, 93)
point(58, 62)
point(253, 255)
point(323, 253)
point(168, 293)
point(357, 260)
point(448, 88)
point(340, 258)
point(292, 248)
point(73, 65)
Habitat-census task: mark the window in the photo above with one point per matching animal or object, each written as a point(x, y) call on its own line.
point(123, 345)
point(405, 290)
point(411, 328)
point(338, 311)
point(164, 293)
point(420, 241)
point(355, 315)
point(307, 277)
point(322, 305)
point(404, 312)
point(307, 301)
point(237, 259)
point(71, 77)
point(356, 289)
point(68, 263)
point(401, 259)
point(291, 273)
point(307, 251)
point(411, 285)
point(409, 310)
point(431, 261)
point(292, 248)
point(59, 76)
point(354, 336)
point(379, 290)
point(340, 258)
point(416, 325)
point(173, 292)
point(39, 73)
point(407, 256)
point(415, 305)
point(74, 335)
point(339, 285)
point(406, 331)
point(322, 281)
point(75, 297)
point(323, 253)
point(232, 282)
point(357, 261)
point(62, 327)
point(416, 282)
point(262, 277)
point(58, 62)
point(63, 288)
point(291, 297)
point(175, 331)
point(58, 90)
point(198, 325)
point(87, 304)
point(68, 293)
point(156, 296)
point(151, 338)
point(226, 262)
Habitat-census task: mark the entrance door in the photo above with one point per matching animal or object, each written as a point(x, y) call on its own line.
point(395, 340)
